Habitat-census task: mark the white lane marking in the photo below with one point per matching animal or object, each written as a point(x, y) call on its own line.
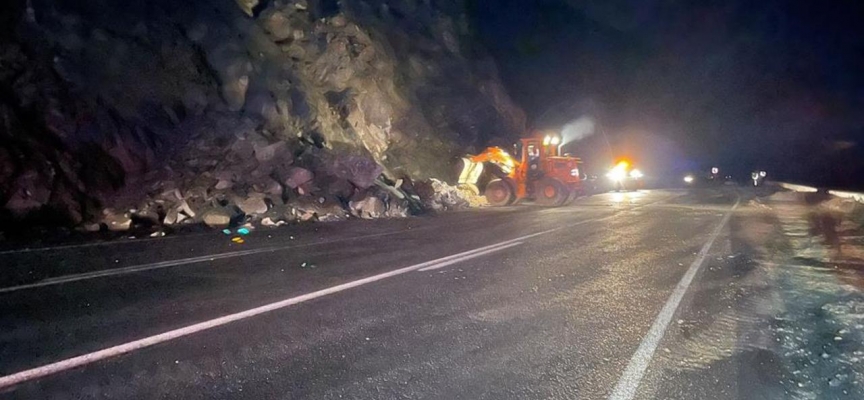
point(193, 260)
point(85, 359)
point(183, 261)
point(74, 362)
point(468, 257)
point(632, 377)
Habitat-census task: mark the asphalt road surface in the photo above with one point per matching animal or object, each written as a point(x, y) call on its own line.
point(597, 300)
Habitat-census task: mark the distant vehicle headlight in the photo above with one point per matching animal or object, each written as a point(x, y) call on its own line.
point(688, 179)
point(617, 174)
point(636, 174)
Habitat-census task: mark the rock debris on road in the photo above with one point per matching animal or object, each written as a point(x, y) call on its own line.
point(553, 315)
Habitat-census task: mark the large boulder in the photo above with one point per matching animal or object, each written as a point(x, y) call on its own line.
point(116, 221)
point(397, 209)
point(269, 187)
point(253, 205)
point(216, 217)
point(293, 177)
point(308, 208)
point(278, 25)
point(438, 195)
point(337, 187)
point(368, 208)
point(275, 151)
point(359, 170)
point(29, 193)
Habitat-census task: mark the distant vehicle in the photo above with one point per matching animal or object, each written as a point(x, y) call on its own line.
point(541, 174)
point(623, 176)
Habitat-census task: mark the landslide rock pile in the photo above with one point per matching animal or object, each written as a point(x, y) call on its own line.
point(253, 179)
point(167, 112)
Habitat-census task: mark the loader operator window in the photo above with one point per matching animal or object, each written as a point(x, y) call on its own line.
point(533, 161)
point(533, 154)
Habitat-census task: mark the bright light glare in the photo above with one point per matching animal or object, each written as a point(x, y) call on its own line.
point(555, 140)
point(762, 173)
point(619, 172)
point(715, 170)
point(630, 197)
point(616, 175)
point(688, 179)
point(547, 140)
point(636, 174)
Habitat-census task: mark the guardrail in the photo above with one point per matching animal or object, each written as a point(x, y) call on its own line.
point(857, 196)
point(797, 188)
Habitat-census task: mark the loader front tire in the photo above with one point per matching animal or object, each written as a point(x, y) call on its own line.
point(499, 193)
point(550, 193)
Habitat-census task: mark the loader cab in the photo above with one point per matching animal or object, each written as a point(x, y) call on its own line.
point(532, 154)
point(542, 157)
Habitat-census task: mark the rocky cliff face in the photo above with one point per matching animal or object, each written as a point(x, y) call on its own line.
point(169, 110)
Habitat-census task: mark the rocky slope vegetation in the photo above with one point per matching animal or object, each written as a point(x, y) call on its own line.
point(166, 112)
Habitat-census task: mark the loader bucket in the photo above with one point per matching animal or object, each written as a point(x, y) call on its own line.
point(471, 172)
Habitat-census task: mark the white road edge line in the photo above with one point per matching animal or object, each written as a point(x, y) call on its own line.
point(74, 362)
point(632, 376)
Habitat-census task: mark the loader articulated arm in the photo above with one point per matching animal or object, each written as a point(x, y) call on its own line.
point(499, 157)
point(473, 165)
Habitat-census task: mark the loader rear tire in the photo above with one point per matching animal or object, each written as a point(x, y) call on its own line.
point(550, 193)
point(499, 193)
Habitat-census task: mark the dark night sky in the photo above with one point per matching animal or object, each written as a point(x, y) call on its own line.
point(680, 85)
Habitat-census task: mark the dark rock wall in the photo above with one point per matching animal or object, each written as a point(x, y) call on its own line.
point(99, 99)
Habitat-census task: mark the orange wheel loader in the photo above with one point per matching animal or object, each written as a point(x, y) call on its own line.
point(540, 174)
